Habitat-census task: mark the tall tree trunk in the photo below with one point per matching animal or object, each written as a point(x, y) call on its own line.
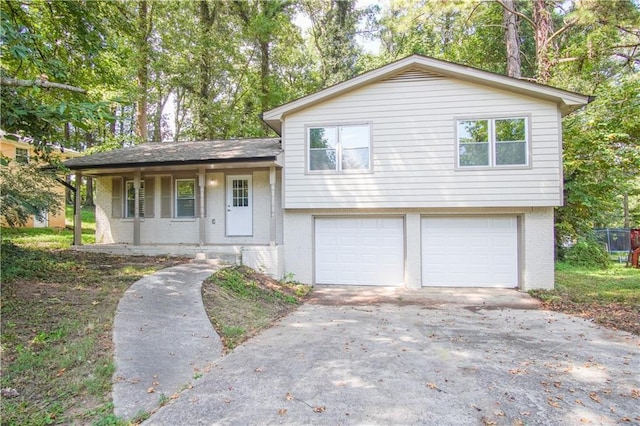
point(143, 72)
point(207, 19)
point(510, 22)
point(543, 29)
point(264, 74)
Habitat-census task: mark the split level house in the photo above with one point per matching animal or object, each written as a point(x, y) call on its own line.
point(419, 173)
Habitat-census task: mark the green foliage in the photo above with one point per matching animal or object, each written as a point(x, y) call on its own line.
point(587, 253)
point(25, 191)
point(236, 280)
point(57, 311)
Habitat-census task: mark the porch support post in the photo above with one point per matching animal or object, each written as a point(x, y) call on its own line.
point(272, 184)
point(136, 208)
point(77, 212)
point(202, 182)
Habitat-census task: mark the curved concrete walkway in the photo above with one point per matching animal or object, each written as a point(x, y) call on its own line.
point(163, 338)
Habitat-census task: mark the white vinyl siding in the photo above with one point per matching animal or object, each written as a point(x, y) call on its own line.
point(414, 149)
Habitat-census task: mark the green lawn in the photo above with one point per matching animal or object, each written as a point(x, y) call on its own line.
point(56, 321)
point(610, 296)
point(88, 217)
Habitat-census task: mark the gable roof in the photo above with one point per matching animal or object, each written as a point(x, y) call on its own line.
point(181, 153)
point(567, 101)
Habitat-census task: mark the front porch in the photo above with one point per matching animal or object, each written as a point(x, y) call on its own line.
point(267, 259)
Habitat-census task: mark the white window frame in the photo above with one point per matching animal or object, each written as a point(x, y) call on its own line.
point(339, 149)
point(24, 156)
point(492, 147)
point(131, 214)
point(177, 210)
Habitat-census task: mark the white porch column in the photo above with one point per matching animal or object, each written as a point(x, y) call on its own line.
point(272, 222)
point(136, 208)
point(202, 182)
point(77, 216)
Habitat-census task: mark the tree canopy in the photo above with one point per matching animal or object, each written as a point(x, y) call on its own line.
point(105, 74)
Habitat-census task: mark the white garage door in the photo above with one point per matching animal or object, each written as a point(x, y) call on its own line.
point(359, 251)
point(470, 252)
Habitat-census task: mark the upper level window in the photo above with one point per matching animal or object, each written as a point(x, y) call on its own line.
point(131, 200)
point(492, 142)
point(22, 155)
point(185, 198)
point(339, 148)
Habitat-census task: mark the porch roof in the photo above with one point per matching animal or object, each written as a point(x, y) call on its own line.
point(181, 153)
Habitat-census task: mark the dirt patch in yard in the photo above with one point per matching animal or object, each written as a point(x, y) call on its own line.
point(240, 302)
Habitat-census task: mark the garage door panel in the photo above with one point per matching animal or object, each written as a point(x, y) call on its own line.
point(470, 251)
point(366, 251)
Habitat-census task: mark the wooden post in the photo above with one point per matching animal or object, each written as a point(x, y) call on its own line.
point(77, 216)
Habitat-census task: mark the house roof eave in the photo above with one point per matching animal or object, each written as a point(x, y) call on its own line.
point(564, 98)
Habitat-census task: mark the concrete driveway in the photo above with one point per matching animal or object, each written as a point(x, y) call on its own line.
point(433, 356)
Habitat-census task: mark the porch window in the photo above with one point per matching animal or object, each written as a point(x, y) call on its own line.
point(185, 197)
point(130, 204)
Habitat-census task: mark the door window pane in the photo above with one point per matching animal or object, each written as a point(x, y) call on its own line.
point(240, 193)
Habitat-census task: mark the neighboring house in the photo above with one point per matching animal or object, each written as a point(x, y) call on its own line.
point(419, 173)
point(22, 151)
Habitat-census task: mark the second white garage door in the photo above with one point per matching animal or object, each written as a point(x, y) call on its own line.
point(470, 252)
point(359, 251)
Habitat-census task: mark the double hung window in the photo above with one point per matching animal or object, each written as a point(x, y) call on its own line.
point(131, 195)
point(339, 148)
point(493, 142)
point(185, 198)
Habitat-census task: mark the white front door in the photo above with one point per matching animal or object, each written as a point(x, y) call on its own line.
point(239, 206)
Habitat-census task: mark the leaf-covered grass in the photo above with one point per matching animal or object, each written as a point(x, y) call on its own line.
point(611, 297)
point(56, 316)
point(87, 215)
point(240, 302)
